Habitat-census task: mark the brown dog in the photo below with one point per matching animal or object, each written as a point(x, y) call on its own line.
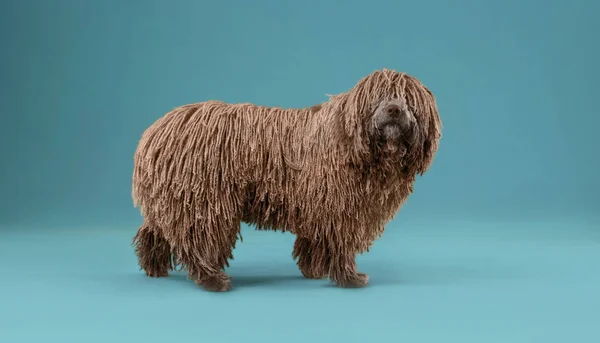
point(333, 174)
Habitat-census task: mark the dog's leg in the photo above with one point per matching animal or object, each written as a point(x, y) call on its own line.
point(153, 251)
point(343, 270)
point(209, 275)
point(205, 250)
point(313, 258)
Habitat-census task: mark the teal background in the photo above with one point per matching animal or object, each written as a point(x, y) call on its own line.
point(499, 243)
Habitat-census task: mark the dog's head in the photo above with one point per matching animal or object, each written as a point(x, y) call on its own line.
point(393, 115)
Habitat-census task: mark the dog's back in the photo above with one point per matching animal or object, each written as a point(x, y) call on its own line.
point(217, 153)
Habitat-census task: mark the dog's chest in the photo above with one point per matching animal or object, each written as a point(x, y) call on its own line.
point(383, 196)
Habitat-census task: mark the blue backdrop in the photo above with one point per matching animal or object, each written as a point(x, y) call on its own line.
point(516, 84)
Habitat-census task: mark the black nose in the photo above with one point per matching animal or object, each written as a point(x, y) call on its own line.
point(393, 110)
point(398, 114)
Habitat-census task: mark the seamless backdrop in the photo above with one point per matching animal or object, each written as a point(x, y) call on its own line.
point(516, 84)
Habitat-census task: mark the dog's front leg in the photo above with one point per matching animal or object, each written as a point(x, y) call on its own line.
point(313, 257)
point(343, 270)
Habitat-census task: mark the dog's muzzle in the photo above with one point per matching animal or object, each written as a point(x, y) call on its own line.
point(397, 113)
point(394, 119)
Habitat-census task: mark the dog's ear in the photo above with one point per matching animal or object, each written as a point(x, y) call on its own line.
point(432, 134)
point(350, 116)
point(352, 121)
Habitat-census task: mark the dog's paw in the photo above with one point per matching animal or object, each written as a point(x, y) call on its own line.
point(354, 281)
point(310, 274)
point(157, 272)
point(216, 283)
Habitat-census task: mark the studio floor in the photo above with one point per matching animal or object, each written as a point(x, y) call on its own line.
point(462, 281)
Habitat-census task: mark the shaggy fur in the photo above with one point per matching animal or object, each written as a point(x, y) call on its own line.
point(333, 175)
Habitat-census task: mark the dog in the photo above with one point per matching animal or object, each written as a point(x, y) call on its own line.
point(333, 174)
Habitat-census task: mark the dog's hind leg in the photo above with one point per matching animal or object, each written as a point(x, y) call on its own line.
point(153, 251)
point(205, 251)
